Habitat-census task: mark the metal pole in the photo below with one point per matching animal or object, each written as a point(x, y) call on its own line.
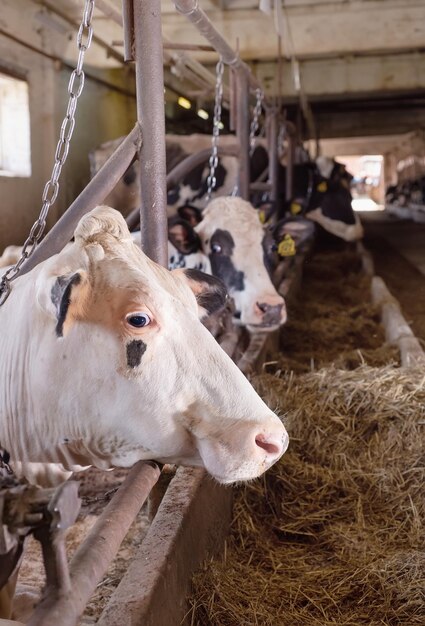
point(92, 195)
point(151, 116)
point(94, 555)
point(272, 132)
point(128, 29)
point(242, 131)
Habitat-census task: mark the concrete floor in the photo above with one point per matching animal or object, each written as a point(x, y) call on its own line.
point(406, 236)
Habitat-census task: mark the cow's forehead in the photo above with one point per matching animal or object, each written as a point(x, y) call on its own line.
point(121, 265)
point(157, 282)
point(234, 215)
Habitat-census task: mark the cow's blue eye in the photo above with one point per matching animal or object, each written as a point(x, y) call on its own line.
point(216, 248)
point(138, 320)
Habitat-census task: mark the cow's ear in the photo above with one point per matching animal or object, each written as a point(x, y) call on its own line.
point(300, 229)
point(63, 296)
point(266, 210)
point(210, 292)
point(183, 236)
point(191, 214)
point(68, 295)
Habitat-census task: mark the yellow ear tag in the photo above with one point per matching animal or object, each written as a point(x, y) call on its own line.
point(322, 187)
point(287, 246)
point(262, 216)
point(296, 208)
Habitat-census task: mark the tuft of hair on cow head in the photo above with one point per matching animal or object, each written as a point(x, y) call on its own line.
point(68, 296)
point(191, 214)
point(183, 236)
point(210, 292)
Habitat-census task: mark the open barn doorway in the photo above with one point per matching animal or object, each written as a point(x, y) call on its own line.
point(368, 184)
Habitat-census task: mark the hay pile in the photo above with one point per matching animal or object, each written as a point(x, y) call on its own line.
point(334, 534)
point(333, 320)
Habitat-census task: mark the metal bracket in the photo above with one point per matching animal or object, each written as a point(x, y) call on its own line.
point(47, 513)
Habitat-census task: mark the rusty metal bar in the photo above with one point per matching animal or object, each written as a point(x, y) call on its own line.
point(242, 131)
point(181, 170)
point(95, 192)
point(151, 115)
point(272, 132)
point(94, 555)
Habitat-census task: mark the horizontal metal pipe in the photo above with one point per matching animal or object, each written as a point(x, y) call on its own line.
point(191, 10)
point(175, 46)
point(260, 186)
point(109, 11)
point(94, 555)
point(181, 170)
point(191, 64)
point(95, 192)
point(100, 42)
point(193, 160)
point(68, 66)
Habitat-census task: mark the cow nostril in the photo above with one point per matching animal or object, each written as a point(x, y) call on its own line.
point(263, 306)
point(269, 446)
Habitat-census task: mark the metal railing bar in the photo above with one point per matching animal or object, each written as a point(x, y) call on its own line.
point(100, 547)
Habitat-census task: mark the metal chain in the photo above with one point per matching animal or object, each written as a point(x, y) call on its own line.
point(51, 189)
point(255, 120)
point(213, 162)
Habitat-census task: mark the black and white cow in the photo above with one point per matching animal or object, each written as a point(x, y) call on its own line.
point(407, 193)
point(321, 192)
point(227, 240)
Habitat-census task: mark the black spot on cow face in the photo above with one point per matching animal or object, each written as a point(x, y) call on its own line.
point(222, 246)
point(130, 175)
point(135, 351)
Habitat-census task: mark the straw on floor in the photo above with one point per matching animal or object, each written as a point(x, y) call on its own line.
point(334, 533)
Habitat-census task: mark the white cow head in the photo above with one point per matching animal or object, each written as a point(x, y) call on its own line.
point(232, 237)
point(105, 362)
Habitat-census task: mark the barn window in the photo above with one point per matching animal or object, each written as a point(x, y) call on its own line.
point(15, 148)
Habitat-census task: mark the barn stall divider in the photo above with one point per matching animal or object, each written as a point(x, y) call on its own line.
point(69, 588)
